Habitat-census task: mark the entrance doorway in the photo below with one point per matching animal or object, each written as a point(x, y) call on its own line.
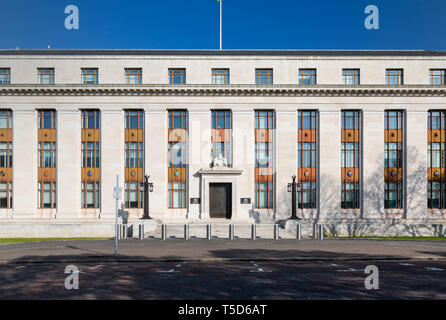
point(220, 200)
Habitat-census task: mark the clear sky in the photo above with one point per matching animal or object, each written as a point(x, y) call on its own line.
point(247, 24)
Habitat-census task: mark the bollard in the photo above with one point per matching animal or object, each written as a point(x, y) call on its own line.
point(321, 232)
point(186, 232)
point(315, 231)
point(299, 232)
point(124, 231)
point(276, 232)
point(141, 232)
point(118, 231)
point(231, 232)
point(208, 232)
point(163, 232)
point(253, 232)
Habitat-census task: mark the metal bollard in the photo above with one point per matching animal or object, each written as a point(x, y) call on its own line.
point(208, 232)
point(231, 232)
point(163, 232)
point(253, 232)
point(124, 231)
point(141, 232)
point(276, 232)
point(321, 232)
point(186, 232)
point(315, 231)
point(299, 232)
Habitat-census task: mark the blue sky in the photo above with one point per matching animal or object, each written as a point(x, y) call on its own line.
point(248, 24)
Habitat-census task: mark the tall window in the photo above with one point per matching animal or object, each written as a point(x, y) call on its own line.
point(350, 159)
point(220, 76)
point(436, 160)
point(5, 159)
point(263, 171)
point(264, 76)
point(222, 135)
point(91, 158)
point(394, 76)
point(45, 75)
point(90, 76)
point(177, 76)
point(5, 75)
point(134, 158)
point(307, 76)
point(177, 171)
point(350, 76)
point(393, 159)
point(47, 151)
point(437, 77)
point(133, 75)
point(307, 148)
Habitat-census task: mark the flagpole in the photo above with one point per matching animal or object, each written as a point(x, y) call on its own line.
point(221, 23)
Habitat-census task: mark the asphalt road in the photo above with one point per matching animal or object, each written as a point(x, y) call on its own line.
point(226, 280)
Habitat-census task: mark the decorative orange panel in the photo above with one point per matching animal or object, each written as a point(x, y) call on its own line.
point(134, 135)
point(177, 135)
point(177, 174)
point(350, 174)
point(436, 174)
point(307, 175)
point(436, 135)
point(393, 135)
point(90, 135)
point(5, 135)
point(5, 174)
point(307, 135)
point(221, 135)
point(47, 174)
point(90, 174)
point(263, 174)
point(47, 135)
point(133, 174)
point(350, 135)
point(264, 135)
point(393, 174)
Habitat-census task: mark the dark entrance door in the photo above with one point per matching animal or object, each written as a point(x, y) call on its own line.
point(220, 200)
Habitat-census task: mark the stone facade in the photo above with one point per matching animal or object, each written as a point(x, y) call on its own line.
point(24, 96)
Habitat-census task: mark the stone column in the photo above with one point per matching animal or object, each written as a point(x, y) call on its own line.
point(156, 159)
point(69, 163)
point(200, 149)
point(330, 164)
point(286, 159)
point(24, 163)
point(416, 164)
point(373, 163)
point(243, 158)
point(112, 142)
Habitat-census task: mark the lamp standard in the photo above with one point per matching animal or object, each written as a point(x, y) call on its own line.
point(294, 188)
point(146, 187)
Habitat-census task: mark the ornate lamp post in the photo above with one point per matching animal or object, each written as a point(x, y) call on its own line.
point(147, 187)
point(294, 188)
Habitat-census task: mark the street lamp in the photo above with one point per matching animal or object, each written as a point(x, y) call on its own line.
point(146, 187)
point(294, 188)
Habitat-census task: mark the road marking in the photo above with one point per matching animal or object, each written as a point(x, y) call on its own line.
point(333, 264)
point(350, 270)
point(260, 270)
point(97, 267)
point(169, 271)
point(20, 267)
point(406, 264)
point(434, 269)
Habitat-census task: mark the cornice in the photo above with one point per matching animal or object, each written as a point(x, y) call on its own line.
point(227, 90)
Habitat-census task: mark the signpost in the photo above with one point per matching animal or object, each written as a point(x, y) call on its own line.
point(117, 194)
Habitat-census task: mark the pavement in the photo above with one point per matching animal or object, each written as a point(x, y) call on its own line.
point(221, 250)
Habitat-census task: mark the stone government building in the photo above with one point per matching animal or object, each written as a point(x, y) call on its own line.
point(364, 131)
